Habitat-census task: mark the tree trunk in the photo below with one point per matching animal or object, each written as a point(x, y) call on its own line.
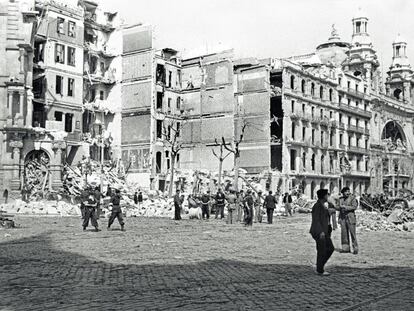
point(219, 174)
point(170, 189)
point(236, 172)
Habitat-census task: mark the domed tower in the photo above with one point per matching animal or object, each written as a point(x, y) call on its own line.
point(333, 52)
point(362, 58)
point(400, 75)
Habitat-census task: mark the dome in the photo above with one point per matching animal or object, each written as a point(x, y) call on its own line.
point(334, 50)
point(399, 39)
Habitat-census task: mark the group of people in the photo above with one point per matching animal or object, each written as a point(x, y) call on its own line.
point(246, 207)
point(91, 207)
point(324, 221)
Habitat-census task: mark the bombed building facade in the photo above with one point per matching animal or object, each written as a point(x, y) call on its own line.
point(76, 82)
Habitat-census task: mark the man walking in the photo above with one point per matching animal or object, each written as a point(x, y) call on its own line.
point(205, 201)
point(347, 206)
point(90, 205)
point(220, 202)
point(321, 231)
point(270, 205)
point(116, 210)
point(177, 205)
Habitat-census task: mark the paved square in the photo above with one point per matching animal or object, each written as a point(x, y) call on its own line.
point(160, 264)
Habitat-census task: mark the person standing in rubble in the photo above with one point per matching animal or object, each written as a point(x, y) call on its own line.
point(205, 202)
point(220, 202)
point(232, 201)
point(116, 209)
point(347, 206)
point(287, 200)
point(258, 207)
point(321, 231)
point(90, 212)
point(248, 208)
point(177, 205)
point(98, 196)
point(270, 205)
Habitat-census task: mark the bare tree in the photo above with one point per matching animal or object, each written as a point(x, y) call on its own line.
point(221, 157)
point(235, 150)
point(171, 139)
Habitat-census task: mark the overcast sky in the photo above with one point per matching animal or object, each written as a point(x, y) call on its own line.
point(268, 28)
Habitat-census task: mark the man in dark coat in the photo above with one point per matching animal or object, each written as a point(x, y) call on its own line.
point(347, 206)
point(248, 208)
point(90, 211)
point(220, 202)
point(321, 231)
point(177, 205)
point(116, 210)
point(205, 201)
point(270, 205)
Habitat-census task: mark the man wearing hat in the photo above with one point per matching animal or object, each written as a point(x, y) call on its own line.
point(220, 202)
point(347, 206)
point(90, 205)
point(116, 209)
point(321, 231)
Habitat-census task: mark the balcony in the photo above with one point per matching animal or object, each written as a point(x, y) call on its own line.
point(333, 124)
point(355, 111)
point(355, 173)
point(355, 93)
point(316, 120)
point(295, 116)
point(359, 150)
point(324, 122)
point(295, 142)
point(356, 129)
point(341, 126)
point(342, 146)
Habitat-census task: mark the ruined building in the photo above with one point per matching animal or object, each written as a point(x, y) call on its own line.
point(56, 55)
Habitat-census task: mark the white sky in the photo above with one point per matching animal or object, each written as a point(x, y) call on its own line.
point(268, 28)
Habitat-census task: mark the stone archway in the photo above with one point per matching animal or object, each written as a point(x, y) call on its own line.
point(393, 134)
point(36, 174)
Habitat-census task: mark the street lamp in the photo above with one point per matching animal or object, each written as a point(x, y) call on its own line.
point(99, 135)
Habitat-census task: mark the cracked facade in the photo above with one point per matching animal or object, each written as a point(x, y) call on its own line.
point(325, 119)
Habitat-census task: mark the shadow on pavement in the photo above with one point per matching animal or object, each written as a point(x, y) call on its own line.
point(36, 276)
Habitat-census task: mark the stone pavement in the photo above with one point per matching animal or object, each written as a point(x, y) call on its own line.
point(160, 264)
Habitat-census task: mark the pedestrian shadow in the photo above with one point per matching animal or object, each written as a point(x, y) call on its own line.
point(35, 275)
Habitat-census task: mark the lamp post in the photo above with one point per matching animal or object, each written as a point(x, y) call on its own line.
point(99, 134)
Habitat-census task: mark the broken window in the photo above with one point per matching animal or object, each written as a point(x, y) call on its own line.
point(159, 128)
point(160, 73)
point(58, 116)
point(303, 86)
point(322, 165)
point(159, 100)
point(68, 122)
point(313, 89)
point(178, 82)
point(304, 160)
point(341, 139)
point(313, 162)
point(101, 95)
point(178, 129)
point(293, 160)
point(71, 29)
point(330, 95)
point(38, 52)
point(303, 133)
point(71, 56)
point(322, 140)
point(313, 136)
point(330, 114)
point(92, 95)
point(293, 130)
point(158, 162)
point(169, 78)
point(93, 65)
point(71, 87)
point(178, 103)
point(397, 93)
point(292, 82)
point(167, 156)
point(366, 165)
point(60, 26)
point(349, 121)
point(59, 53)
point(321, 92)
point(293, 106)
point(59, 85)
point(340, 118)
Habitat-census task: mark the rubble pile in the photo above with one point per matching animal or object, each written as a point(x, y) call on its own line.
point(42, 207)
point(36, 177)
point(5, 222)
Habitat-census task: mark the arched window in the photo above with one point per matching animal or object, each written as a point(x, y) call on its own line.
point(321, 92)
point(322, 165)
point(313, 89)
point(313, 162)
point(292, 82)
point(330, 95)
point(303, 86)
point(304, 161)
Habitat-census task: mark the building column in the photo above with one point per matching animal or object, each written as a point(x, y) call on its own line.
point(29, 116)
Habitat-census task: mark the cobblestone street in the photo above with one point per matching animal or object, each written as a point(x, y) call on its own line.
point(159, 264)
